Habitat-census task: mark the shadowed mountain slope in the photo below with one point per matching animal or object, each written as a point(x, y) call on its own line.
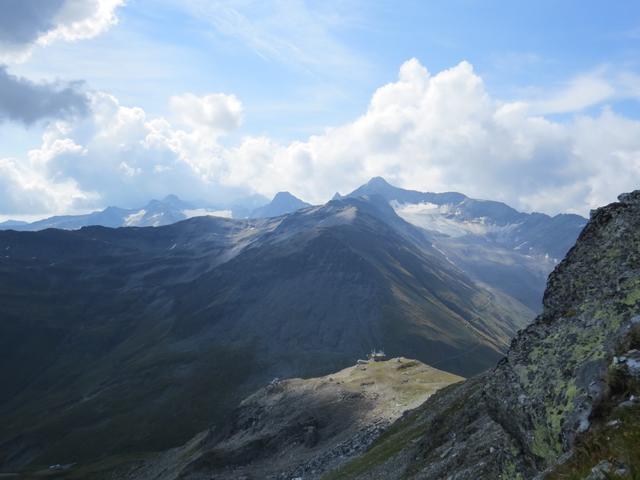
point(131, 339)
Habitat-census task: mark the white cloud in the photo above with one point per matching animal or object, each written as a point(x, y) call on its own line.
point(217, 111)
point(604, 84)
point(81, 19)
point(117, 155)
point(582, 92)
point(26, 188)
point(27, 23)
point(431, 132)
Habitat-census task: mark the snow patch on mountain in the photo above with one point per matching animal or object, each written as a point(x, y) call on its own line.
point(135, 218)
point(448, 220)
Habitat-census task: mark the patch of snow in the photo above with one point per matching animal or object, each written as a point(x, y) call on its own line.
point(157, 219)
point(443, 254)
point(430, 217)
point(311, 211)
point(348, 214)
point(134, 218)
point(446, 219)
point(520, 246)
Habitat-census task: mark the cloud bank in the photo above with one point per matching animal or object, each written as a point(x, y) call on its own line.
point(431, 132)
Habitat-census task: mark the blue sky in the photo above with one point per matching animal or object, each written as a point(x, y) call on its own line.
point(298, 68)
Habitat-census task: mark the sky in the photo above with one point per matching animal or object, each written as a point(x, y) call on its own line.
point(115, 102)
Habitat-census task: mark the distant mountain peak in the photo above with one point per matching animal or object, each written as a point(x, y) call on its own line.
point(282, 203)
point(378, 182)
point(14, 223)
point(284, 196)
point(172, 198)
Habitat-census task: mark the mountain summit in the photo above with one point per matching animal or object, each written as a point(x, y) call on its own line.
point(379, 186)
point(282, 203)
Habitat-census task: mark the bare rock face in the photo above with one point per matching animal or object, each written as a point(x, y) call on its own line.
point(523, 418)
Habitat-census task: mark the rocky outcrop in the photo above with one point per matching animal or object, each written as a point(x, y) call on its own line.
point(558, 385)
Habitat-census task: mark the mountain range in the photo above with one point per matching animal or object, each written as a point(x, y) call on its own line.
point(452, 214)
point(129, 340)
point(493, 243)
point(170, 209)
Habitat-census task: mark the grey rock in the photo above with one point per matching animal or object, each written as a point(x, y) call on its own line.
point(631, 198)
point(601, 471)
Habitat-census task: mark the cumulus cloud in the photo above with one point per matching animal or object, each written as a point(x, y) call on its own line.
point(217, 111)
point(117, 155)
point(431, 132)
point(27, 23)
point(26, 187)
point(25, 101)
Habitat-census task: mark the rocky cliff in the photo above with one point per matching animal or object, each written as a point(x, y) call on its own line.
point(563, 402)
